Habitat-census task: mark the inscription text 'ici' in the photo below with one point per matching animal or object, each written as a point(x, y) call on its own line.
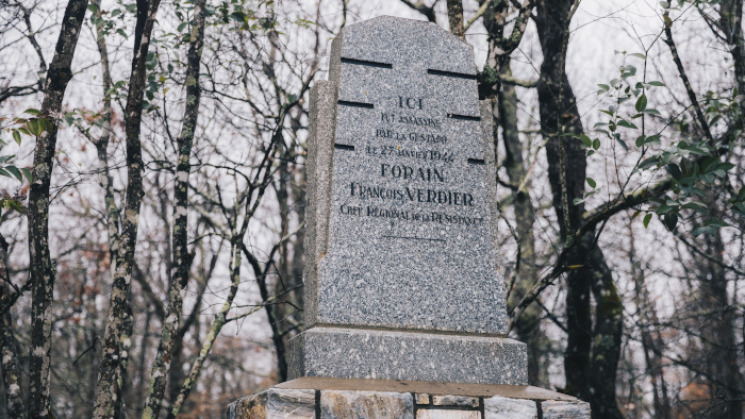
point(410, 102)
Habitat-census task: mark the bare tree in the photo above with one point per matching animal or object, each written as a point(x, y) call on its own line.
point(42, 269)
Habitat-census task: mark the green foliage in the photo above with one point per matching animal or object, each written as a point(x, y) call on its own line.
point(35, 125)
point(691, 161)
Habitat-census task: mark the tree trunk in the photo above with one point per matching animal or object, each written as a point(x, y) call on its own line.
point(527, 325)
point(651, 340)
point(717, 326)
point(41, 267)
point(217, 325)
point(181, 258)
point(8, 343)
point(455, 18)
point(117, 337)
point(588, 349)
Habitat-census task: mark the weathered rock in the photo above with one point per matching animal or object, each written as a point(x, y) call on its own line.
point(565, 410)
point(422, 398)
point(447, 414)
point(503, 408)
point(281, 403)
point(462, 401)
point(365, 404)
point(275, 403)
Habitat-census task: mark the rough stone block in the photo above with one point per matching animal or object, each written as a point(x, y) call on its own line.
point(504, 408)
point(422, 398)
point(461, 401)
point(275, 403)
point(447, 414)
point(365, 404)
point(565, 410)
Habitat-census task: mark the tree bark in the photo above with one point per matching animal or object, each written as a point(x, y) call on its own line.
point(730, 24)
point(587, 348)
point(181, 258)
point(217, 325)
point(651, 340)
point(527, 325)
point(117, 337)
point(504, 97)
point(455, 18)
point(41, 267)
point(720, 352)
point(9, 344)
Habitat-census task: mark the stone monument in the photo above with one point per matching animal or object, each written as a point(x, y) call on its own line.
point(403, 298)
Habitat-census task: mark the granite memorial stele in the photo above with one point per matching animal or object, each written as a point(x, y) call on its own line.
point(401, 280)
point(404, 306)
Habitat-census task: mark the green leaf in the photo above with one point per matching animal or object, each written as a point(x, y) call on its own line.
point(716, 222)
point(740, 208)
point(604, 87)
point(720, 173)
point(15, 172)
point(27, 173)
point(5, 173)
point(586, 141)
point(674, 170)
point(17, 137)
point(646, 220)
point(13, 204)
point(591, 182)
point(655, 83)
point(32, 111)
point(698, 207)
point(624, 123)
point(641, 103)
point(640, 140)
point(670, 220)
point(638, 55)
point(652, 139)
point(181, 26)
point(596, 144)
point(33, 127)
point(726, 166)
point(623, 144)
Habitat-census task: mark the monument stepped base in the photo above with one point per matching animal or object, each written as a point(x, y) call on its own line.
point(328, 398)
point(336, 352)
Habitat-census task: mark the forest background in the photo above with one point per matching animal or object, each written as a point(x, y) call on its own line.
point(152, 179)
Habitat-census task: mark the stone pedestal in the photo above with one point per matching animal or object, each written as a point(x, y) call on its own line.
point(390, 355)
point(333, 398)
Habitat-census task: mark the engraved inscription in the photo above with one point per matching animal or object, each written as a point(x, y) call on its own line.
point(404, 169)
